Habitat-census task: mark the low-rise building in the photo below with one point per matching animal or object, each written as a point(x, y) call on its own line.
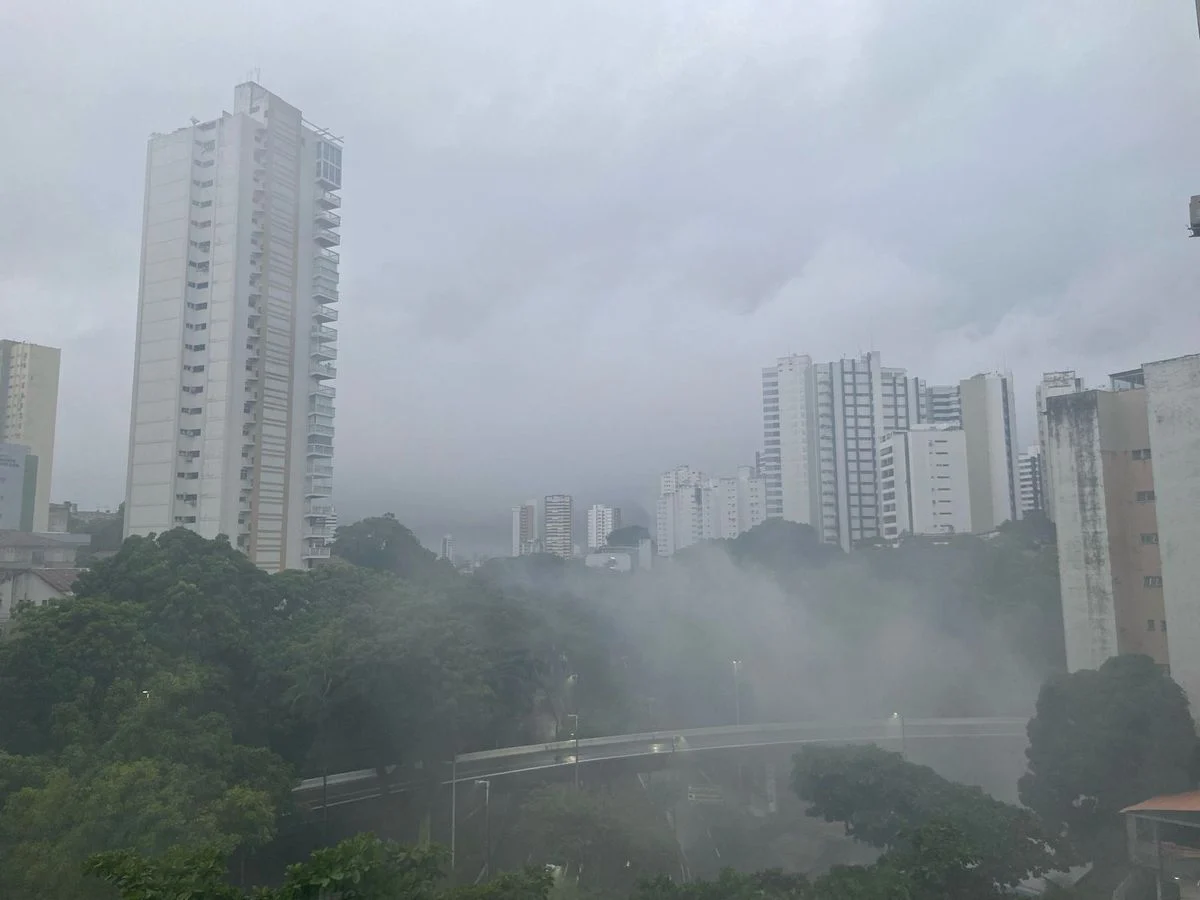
point(33, 587)
point(26, 550)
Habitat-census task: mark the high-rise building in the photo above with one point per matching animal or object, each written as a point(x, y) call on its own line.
point(601, 522)
point(1107, 498)
point(558, 520)
point(447, 552)
point(989, 419)
point(29, 412)
point(1053, 384)
point(18, 487)
point(1031, 491)
point(925, 489)
point(524, 529)
point(693, 507)
point(821, 427)
point(944, 405)
point(232, 420)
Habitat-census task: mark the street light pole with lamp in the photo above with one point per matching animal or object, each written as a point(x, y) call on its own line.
point(575, 716)
point(903, 739)
point(487, 823)
point(737, 692)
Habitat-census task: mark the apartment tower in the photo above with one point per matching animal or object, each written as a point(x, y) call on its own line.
point(989, 419)
point(28, 413)
point(1053, 384)
point(232, 417)
point(524, 529)
point(558, 519)
point(601, 522)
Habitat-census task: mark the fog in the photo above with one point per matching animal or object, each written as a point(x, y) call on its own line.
point(574, 233)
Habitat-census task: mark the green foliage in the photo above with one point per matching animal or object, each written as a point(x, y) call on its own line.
point(627, 536)
point(884, 801)
point(1102, 740)
point(360, 868)
point(383, 544)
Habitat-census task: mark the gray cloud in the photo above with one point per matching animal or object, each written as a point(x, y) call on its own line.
point(575, 231)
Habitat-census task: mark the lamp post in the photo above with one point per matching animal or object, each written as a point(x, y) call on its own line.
point(575, 716)
point(453, 812)
point(737, 693)
point(487, 823)
point(903, 740)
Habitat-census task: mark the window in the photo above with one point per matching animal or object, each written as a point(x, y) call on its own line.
point(201, 204)
point(1150, 537)
point(1164, 626)
point(1141, 454)
point(1149, 624)
point(190, 432)
point(190, 410)
point(188, 476)
point(1152, 581)
point(1145, 496)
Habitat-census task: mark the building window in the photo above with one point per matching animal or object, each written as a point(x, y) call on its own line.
point(1152, 581)
point(1142, 454)
point(1145, 496)
point(1164, 626)
point(1150, 537)
point(1149, 624)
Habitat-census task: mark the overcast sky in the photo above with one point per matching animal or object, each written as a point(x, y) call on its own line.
point(575, 230)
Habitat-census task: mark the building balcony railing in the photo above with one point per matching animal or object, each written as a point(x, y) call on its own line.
point(317, 428)
point(325, 314)
point(318, 487)
point(329, 200)
point(326, 218)
point(326, 350)
point(325, 450)
point(324, 291)
point(314, 532)
point(324, 333)
point(322, 370)
point(322, 390)
point(315, 551)
point(329, 255)
point(326, 237)
point(320, 510)
point(320, 407)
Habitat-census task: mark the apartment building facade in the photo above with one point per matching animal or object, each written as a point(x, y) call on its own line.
point(29, 415)
point(601, 522)
point(558, 525)
point(925, 488)
point(524, 529)
point(1053, 384)
point(232, 421)
point(989, 422)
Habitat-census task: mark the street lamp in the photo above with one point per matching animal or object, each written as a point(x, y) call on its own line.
point(575, 716)
point(737, 693)
point(487, 823)
point(903, 741)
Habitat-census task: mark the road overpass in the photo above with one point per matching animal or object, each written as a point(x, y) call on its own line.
point(366, 784)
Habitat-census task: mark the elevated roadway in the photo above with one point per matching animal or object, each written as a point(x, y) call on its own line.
point(365, 784)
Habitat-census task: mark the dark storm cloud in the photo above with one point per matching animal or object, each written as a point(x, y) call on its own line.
point(575, 231)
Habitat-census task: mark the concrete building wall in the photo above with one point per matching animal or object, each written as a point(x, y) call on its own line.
point(1053, 384)
point(1173, 404)
point(789, 421)
point(558, 522)
point(989, 422)
point(601, 522)
point(925, 488)
point(29, 412)
point(524, 529)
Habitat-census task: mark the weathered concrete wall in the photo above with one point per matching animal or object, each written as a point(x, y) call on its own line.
point(1173, 395)
point(1084, 564)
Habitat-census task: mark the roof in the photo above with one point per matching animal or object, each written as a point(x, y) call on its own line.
point(28, 540)
point(1186, 802)
point(61, 580)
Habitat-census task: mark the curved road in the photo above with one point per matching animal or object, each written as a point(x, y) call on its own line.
point(364, 784)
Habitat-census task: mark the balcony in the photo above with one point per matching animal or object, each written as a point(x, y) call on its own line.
point(318, 428)
point(322, 370)
point(324, 290)
point(323, 390)
point(325, 450)
point(329, 256)
point(322, 333)
point(317, 486)
point(329, 200)
point(318, 407)
point(319, 509)
point(317, 532)
point(324, 350)
point(326, 219)
point(326, 237)
point(315, 552)
point(325, 314)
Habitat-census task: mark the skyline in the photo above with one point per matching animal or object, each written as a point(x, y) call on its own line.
point(465, 233)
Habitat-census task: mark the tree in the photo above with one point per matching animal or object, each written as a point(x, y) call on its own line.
point(627, 536)
point(1102, 740)
point(383, 544)
point(884, 801)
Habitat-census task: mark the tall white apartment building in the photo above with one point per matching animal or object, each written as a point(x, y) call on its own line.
point(944, 405)
point(821, 426)
point(989, 415)
point(232, 417)
point(693, 507)
point(558, 524)
point(925, 489)
point(524, 529)
point(601, 522)
point(1031, 493)
point(1053, 384)
point(29, 413)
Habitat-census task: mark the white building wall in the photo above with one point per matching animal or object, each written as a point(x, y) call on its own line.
point(925, 488)
point(1173, 407)
point(1053, 384)
point(989, 421)
point(558, 514)
point(789, 421)
point(232, 418)
point(601, 522)
point(1084, 556)
point(1029, 474)
point(29, 412)
point(944, 405)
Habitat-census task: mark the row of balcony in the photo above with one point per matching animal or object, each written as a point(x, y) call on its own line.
point(325, 314)
point(325, 450)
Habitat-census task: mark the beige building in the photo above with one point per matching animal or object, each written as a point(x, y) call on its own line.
point(989, 422)
point(1126, 464)
point(29, 410)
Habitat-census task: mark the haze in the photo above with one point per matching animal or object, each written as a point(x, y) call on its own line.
point(574, 232)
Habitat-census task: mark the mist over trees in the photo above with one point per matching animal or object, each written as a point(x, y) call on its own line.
point(167, 708)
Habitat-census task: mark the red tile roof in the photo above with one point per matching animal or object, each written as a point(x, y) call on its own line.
point(61, 580)
point(1187, 802)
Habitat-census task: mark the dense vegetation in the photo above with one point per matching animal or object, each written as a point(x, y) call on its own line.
point(161, 716)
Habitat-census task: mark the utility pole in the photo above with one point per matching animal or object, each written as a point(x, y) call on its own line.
point(487, 824)
point(453, 812)
point(575, 716)
point(737, 693)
